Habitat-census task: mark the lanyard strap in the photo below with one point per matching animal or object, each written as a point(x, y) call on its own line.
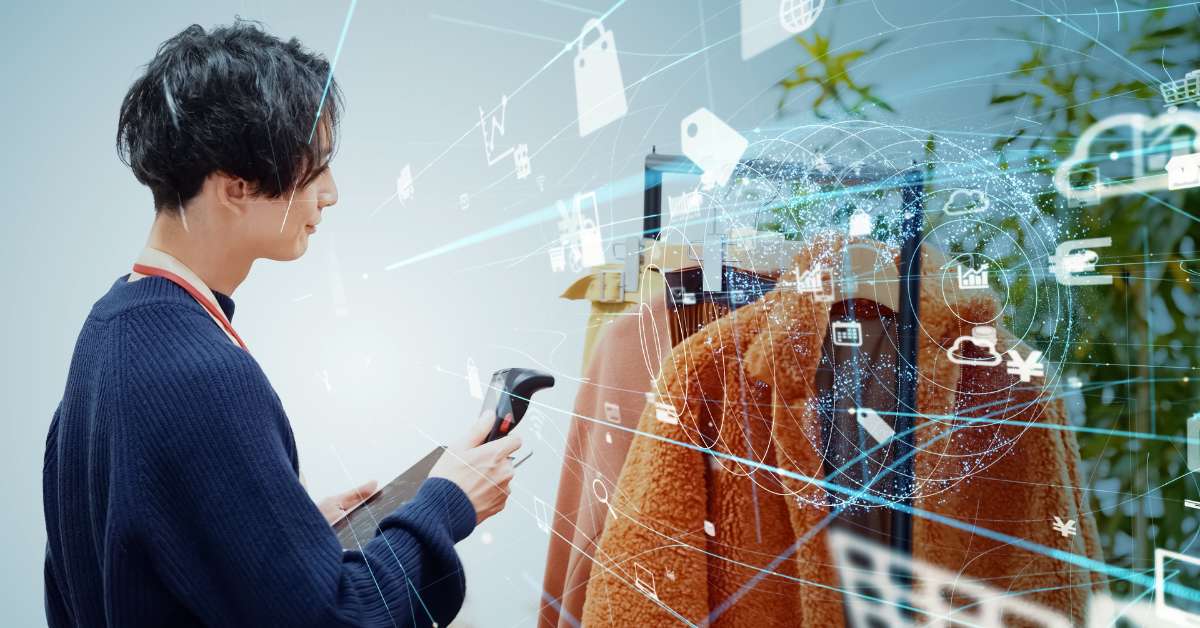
point(207, 301)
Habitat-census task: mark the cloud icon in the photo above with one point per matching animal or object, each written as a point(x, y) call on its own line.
point(966, 202)
point(1126, 153)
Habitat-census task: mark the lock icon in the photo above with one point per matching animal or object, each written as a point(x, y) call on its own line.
point(984, 337)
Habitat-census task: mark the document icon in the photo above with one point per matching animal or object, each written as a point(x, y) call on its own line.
point(599, 88)
point(612, 412)
point(847, 333)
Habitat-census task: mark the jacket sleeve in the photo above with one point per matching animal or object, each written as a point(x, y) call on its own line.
point(655, 526)
point(238, 540)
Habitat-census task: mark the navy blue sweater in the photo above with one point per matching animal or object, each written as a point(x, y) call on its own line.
point(172, 495)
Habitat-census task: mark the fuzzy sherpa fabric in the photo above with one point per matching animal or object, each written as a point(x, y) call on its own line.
point(744, 386)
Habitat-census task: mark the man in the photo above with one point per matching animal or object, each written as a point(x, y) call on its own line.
point(171, 483)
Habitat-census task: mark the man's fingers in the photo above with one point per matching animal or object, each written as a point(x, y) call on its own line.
point(504, 445)
point(479, 429)
point(356, 495)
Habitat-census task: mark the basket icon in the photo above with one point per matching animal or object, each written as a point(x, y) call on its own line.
point(1184, 90)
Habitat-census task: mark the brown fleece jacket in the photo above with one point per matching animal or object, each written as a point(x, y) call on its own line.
point(744, 386)
point(626, 357)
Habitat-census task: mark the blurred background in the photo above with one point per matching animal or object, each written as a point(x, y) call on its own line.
point(367, 338)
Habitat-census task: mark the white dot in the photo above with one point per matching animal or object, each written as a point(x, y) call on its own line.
point(364, 275)
point(1113, 155)
point(486, 538)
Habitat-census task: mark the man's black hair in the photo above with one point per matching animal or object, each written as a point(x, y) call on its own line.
point(235, 100)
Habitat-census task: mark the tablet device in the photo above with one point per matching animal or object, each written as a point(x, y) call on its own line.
point(507, 396)
point(359, 525)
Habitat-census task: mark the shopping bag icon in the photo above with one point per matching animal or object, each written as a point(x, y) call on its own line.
point(599, 88)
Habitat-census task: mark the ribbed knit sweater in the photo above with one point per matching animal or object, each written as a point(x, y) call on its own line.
point(172, 496)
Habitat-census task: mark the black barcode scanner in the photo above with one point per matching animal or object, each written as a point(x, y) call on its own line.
point(510, 391)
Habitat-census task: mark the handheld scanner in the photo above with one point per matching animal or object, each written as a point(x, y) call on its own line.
point(509, 392)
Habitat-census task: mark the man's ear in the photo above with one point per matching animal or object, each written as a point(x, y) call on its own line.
point(233, 193)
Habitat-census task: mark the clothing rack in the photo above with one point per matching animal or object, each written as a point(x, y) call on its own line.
point(738, 288)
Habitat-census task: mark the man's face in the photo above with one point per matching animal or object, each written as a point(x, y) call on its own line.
point(279, 228)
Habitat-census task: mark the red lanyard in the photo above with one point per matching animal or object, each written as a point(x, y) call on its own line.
point(206, 303)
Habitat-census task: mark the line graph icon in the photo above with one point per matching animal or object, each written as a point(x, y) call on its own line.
point(493, 128)
point(972, 278)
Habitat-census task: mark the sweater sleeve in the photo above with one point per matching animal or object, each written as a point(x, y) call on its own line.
point(234, 535)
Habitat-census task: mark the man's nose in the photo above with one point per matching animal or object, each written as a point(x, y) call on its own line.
point(328, 194)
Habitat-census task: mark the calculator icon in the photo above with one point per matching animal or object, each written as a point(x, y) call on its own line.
point(847, 333)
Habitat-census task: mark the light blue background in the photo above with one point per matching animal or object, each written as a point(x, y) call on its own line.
point(414, 74)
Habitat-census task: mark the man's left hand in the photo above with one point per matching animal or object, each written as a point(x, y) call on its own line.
point(332, 508)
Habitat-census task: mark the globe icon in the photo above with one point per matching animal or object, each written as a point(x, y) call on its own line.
point(797, 15)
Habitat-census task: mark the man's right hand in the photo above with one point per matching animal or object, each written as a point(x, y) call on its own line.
point(481, 470)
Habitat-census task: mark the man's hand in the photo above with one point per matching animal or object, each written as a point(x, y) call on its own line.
point(333, 507)
point(482, 471)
